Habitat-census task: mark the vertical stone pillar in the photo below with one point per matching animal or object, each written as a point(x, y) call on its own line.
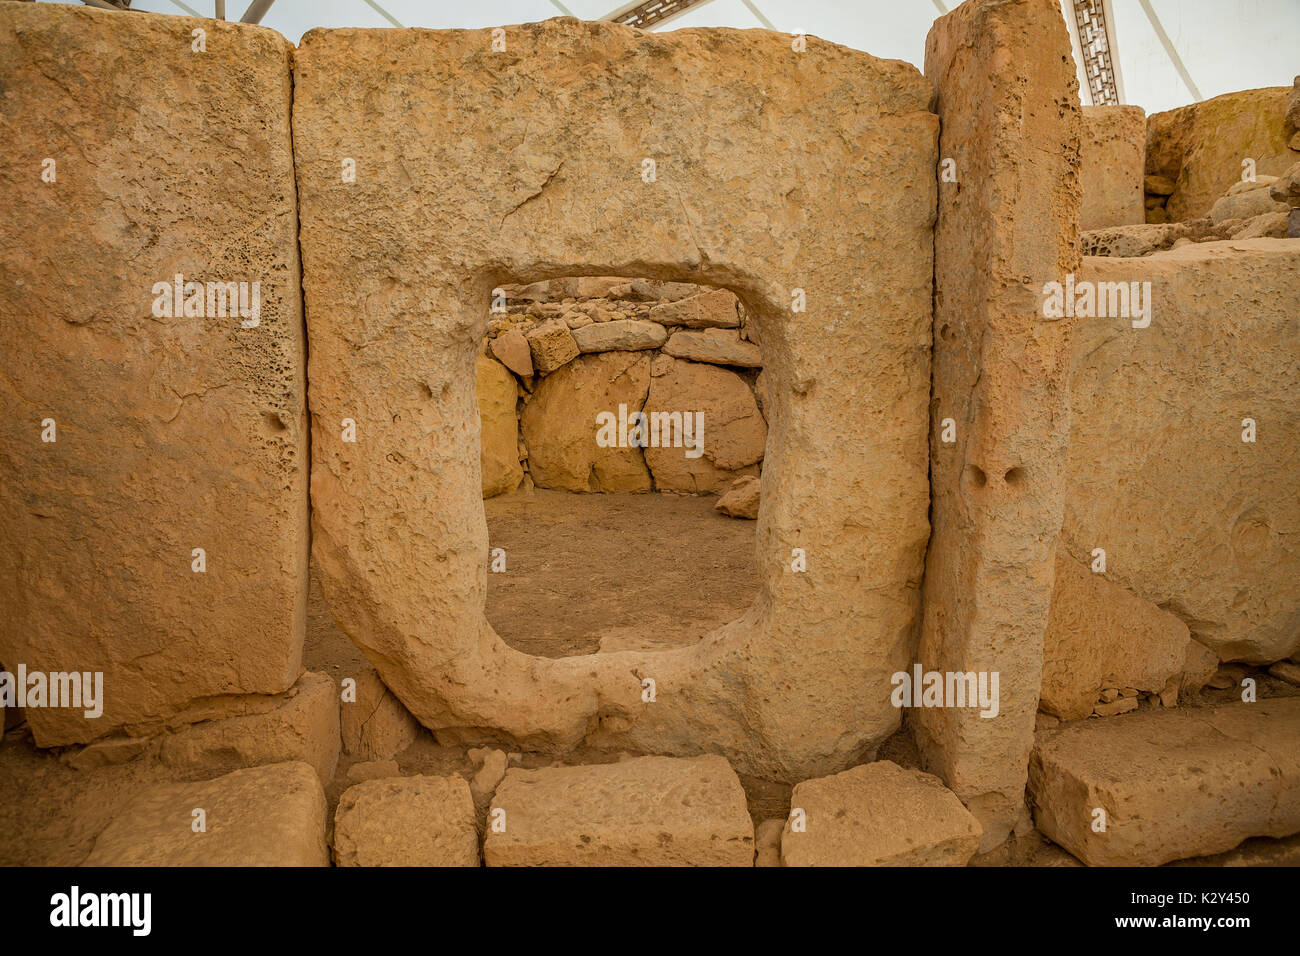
point(1010, 120)
point(153, 420)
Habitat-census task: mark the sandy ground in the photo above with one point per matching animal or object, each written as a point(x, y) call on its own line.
point(661, 569)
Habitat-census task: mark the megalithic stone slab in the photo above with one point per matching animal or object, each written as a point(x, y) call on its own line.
point(1201, 146)
point(1185, 444)
point(807, 189)
point(153, 459)
point(1008, 102)
point(1163, 785)
point(649, 811)
point(1113, 155)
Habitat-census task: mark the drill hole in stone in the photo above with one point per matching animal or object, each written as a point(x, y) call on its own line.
point(605, 521)
point(973, 476)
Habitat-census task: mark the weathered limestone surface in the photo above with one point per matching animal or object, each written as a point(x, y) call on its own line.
point(1100, 635)
point(741, 500)
point(1201, 146)
point(496, 393)
point(406, 821)
point(1247, 200)
point(799, 685)
point(734, 433)
point(714, 309)
point(376, 725)
point(1008, 98)
point(1173, 783)
point(649, 811)
point(1113, 157)
point(879, 814)
point(172, 433)
point(262, 816)
point(623, 334)
point(1192, 518)
point(559, 424)
point(301, 726)
point(719, 346)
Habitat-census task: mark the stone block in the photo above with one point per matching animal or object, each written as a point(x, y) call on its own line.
point(1099, 635)
point(648, 811)
point(406, 821)
point(878, 814)
point(170, 429)
point(263, 816)
point(1192, 518)
point(1201, 146)
point(1000, 372)
point(1171, 783)
point(1113, 154)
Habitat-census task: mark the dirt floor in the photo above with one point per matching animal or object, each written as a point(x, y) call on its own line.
point(648, 570)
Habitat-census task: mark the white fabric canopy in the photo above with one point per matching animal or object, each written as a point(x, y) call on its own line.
point(1224, 45)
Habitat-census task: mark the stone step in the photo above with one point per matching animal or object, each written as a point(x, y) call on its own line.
point(1171, 783)
point(406, 821)
point(648, 811)
point(262, 816)
point(878, 814)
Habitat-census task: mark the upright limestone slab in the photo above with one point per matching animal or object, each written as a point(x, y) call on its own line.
point(1008, 103)
point(1113, 154)
point(171, 433)
point(803, 182)
point(1184, 459)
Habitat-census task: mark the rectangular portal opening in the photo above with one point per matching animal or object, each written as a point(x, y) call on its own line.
point(623, 429)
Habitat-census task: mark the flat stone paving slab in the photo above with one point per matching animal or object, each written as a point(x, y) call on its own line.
point(649, 811)
point(1172, 784)
point(879, 814)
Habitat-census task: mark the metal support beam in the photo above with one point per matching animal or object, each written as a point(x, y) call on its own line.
point(1097, 47)
point(758, 14)
point(256, 10)
point(221, 9)
point(652, 13)
point(1169, 49)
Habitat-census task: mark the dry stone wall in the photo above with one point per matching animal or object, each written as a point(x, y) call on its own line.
point(703, 428)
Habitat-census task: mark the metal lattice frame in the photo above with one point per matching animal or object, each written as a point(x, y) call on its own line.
point(651, 12)
point(1096, 42)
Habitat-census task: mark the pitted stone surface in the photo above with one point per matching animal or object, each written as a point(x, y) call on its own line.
point(1113, 151)
point(800, 684)
point(1192, 518)
point(1007, 96)
point(262, 816)
point(1171, 783)
point(879, 814)
point(406, 821)
point(172, 433)
point(649, 811)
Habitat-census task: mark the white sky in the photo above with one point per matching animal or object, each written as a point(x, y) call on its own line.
point(1226, 45)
